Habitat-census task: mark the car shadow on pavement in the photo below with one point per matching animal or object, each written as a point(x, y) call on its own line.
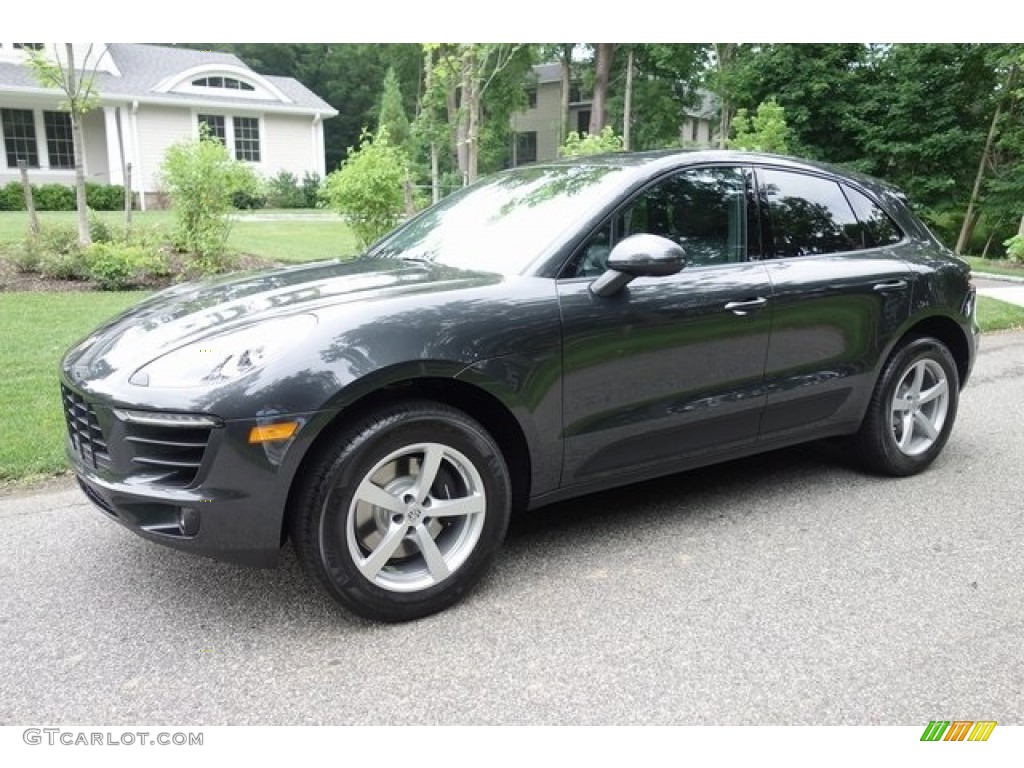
point(222, 598)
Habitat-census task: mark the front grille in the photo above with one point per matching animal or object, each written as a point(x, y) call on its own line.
point(173, 453)
point(84, 431)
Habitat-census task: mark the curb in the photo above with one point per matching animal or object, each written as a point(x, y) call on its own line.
point(993, 276)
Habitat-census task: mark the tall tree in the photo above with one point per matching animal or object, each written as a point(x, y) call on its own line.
point(76, 81)
point(1001, 156)
point(604, 55)
point(391, 113)
point(664, 91)
point(484, 82)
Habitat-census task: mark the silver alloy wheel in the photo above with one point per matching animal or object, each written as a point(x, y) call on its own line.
point(919, 407)
point(415, 517)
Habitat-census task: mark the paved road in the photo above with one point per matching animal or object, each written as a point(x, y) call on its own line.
point(783, 589)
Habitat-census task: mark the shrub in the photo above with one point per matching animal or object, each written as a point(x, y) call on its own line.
point(99, 229)
point(59, 254)
point(104, 197)
point(116, 266)
point(54, 197)
point(1015, 248)
point(311, 184)
point(283, 191)
point(201, 178)
point(27, 255)
point(585, 144)
point(367, 189)
point(12, 197)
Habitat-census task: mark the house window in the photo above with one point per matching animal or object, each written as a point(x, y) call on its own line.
point(20, 137)
point(216, 81)
point(60, 143)
point(576, 95)
point(531, 98)
point(215, 127)
point(30, 46)
point(526, 147)
point(247, 139)
point(583, 121)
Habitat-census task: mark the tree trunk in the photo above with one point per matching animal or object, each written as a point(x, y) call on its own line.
point(435, 173)
point(76, 132)
point(723, 58)
point(30, 205)
point(627, 109)
point(563, 125)
point(473, 129)
point(462, 124)
point(602, 72)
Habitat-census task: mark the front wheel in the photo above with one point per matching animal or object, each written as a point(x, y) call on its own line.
point(912, 410)
point(403, 512)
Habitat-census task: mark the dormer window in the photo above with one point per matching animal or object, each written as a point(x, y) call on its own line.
point(216, 81)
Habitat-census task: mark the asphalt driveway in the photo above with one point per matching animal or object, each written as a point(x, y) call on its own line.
point(785, 589)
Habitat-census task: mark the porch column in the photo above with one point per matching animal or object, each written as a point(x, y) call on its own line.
point(115, 151)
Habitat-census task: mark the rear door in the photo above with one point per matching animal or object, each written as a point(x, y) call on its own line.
point(840, 291)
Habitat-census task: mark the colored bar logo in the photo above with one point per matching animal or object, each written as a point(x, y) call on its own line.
point(958, 730)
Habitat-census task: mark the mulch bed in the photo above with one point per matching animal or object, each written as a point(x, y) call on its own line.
point(12, 280)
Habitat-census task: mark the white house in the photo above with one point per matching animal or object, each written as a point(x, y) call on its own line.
point(149, 98)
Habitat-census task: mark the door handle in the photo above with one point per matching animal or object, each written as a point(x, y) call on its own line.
point(742, 308)
point(891, 285)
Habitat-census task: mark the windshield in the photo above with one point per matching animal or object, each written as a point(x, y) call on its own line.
point(503, 223)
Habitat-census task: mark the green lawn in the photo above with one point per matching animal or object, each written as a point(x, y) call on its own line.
point(995, 315)
point(37, 328)
point(996, 266)
point(303, 236)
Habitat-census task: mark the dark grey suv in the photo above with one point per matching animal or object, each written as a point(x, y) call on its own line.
point(551, 331)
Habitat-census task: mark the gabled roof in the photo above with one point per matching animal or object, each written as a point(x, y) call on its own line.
point(146, 70)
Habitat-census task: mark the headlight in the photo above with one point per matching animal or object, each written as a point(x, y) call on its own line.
point(217, 359)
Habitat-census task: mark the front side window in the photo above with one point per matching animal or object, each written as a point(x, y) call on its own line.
point(247, 139)
point(808, 215)
point(19, 128)
point(702, 209)
point(60, 144)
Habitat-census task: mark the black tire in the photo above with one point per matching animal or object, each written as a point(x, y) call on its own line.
point(432, 544)
point(912, 409)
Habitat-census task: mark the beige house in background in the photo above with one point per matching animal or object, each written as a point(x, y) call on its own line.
point(536, 130)
point(149, 98)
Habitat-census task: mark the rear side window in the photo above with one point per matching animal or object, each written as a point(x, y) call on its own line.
point(879, 229)
point(808, 215)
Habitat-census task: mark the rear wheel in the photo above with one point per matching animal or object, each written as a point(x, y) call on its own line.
point(912, 410)
point(404, 512)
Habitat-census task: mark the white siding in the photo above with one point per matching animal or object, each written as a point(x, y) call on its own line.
point(287, 145)
point(158, 128)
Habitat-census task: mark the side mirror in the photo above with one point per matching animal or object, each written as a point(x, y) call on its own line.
point(639, 256)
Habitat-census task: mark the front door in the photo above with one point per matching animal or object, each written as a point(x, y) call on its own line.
point(669, 368)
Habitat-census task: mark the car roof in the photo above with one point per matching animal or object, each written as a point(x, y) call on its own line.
point(653, 160)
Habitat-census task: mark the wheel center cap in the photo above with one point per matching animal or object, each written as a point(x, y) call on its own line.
point(414, 513)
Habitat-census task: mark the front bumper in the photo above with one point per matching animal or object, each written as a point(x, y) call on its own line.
point(229, 507)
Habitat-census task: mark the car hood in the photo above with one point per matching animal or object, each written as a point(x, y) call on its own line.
point(193, 311)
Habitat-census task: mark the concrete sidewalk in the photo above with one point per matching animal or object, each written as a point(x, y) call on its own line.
point(1002, 287)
